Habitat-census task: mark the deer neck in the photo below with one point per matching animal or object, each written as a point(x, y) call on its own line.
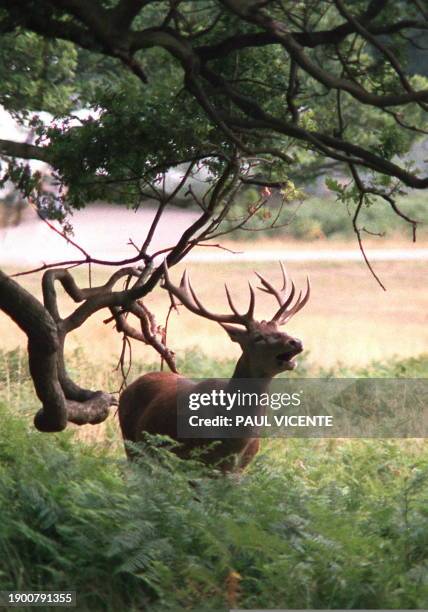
point(244, 369)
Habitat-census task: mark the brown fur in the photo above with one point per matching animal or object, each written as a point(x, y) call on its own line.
point(150, 403)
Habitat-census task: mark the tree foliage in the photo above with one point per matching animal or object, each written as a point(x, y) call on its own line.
point(175, 81)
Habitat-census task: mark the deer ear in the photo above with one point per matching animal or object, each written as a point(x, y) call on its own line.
point(234, 333)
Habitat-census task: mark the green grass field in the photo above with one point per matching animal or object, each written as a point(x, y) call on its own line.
point(311, 524)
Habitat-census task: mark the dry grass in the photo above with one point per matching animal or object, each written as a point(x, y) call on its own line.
point(349, 319)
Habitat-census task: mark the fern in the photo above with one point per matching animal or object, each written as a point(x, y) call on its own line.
point(311, 524)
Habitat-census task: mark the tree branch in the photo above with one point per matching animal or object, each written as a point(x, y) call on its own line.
point(23, 150)
point(124, 13)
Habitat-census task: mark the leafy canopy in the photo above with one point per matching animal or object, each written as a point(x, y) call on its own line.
point(291, 83)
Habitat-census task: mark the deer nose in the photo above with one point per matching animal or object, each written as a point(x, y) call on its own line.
point(295, 343)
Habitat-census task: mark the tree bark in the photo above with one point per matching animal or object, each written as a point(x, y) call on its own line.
point(43, 343)
point(62, 400)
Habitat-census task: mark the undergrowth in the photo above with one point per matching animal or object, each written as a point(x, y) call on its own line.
point(311, 523)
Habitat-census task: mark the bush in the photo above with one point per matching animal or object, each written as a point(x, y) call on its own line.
point(310, 524)
point(318, 217)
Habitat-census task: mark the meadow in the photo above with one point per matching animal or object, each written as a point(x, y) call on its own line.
point(349, 319)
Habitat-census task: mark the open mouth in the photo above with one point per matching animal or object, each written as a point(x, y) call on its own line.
point(286, 358)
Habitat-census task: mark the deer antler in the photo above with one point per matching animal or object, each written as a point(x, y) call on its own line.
point(285, 312)
point(187, 296)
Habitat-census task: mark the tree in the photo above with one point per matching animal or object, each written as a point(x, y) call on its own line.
point(262, 92)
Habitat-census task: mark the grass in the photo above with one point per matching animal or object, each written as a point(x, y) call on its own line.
point(311, 524)
point(349, 319)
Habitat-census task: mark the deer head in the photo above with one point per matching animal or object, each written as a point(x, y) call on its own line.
point(266, 350)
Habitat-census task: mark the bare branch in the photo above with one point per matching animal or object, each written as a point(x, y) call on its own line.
point(358, 231)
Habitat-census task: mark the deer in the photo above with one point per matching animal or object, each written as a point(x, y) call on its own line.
point(149, 404)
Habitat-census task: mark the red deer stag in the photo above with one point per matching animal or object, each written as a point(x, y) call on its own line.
point(149, 404)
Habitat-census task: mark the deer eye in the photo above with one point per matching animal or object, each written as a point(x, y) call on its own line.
point(258, 338)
